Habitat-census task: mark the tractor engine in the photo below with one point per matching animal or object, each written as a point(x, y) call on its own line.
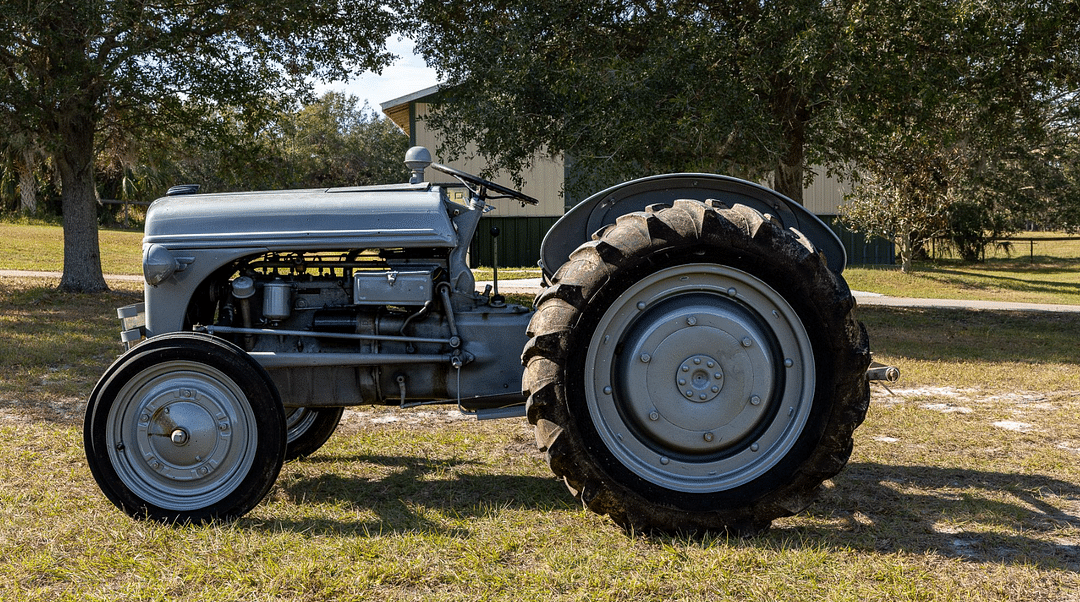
point(356, 328)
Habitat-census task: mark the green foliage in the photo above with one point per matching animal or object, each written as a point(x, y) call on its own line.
point(628, 88)
point(992, 118)
point(75, 73)
point(905, 205)
point(329, 142)
point(983, 95)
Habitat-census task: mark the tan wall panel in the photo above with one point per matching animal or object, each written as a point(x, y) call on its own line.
point(544, 181)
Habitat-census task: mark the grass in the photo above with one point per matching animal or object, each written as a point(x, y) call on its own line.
point(1049, 272)
point(39, 247)
point(964, 484)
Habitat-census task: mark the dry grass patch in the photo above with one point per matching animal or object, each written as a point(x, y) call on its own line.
point(965, 489)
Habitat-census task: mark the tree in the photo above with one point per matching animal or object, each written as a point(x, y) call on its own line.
point(22, 159)
point(71, 68)
point(632, 87)
point(335, 142)
point(982, 145)
point(331, 141)
point(904, 200)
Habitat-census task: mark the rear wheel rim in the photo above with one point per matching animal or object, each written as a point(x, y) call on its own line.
point(699, 378)
point(181, 435)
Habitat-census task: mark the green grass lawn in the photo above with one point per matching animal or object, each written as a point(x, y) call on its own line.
point(964, 483)
point(40, 247)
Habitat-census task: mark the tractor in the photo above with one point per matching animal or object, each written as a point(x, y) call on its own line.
point(692, 360)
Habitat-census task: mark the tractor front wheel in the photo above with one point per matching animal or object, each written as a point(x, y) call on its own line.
point(185, 427)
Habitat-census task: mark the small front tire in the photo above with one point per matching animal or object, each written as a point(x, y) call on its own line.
point(308, 429)
point(185, 427)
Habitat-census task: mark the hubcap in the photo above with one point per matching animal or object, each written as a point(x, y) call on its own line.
point(699, 378)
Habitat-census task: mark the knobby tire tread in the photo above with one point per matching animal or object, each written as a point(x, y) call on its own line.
point(737, 236)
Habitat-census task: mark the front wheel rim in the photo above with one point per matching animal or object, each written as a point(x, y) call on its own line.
point(298, 421)
point(699, 378)
point(181, 435)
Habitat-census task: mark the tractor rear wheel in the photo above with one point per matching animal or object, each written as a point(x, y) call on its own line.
point(696, 367)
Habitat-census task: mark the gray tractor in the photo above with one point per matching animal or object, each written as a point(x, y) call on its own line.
point(691, 363)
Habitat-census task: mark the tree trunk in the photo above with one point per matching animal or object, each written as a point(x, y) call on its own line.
point(27, 184)
point(788, 179)
point(906, 250)
point(75, 161)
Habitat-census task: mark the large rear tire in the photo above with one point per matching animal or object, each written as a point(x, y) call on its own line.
point(696, 367)
point(185, 427)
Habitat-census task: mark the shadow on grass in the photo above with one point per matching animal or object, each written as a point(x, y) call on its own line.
point(990, 281)
point(972, 335)
point(973, 515)
point(408, 487)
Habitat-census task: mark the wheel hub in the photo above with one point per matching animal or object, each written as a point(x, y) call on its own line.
point(706, 364)
point(180, 436)
point(699, 377)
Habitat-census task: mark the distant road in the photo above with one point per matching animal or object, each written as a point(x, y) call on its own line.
point(532, 285)
point(32, 274)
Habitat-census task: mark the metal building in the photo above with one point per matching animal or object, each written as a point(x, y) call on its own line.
point(522, 228)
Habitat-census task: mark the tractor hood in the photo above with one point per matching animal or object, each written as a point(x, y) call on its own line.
point(397, 216)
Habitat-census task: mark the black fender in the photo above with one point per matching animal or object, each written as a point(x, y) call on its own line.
point(603, 208)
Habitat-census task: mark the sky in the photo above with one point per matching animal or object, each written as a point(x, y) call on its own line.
point(406, 75)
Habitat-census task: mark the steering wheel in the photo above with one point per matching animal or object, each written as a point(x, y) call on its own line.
point(485, 185)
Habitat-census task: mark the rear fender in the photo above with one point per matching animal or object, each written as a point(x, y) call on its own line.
point(602, 208)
